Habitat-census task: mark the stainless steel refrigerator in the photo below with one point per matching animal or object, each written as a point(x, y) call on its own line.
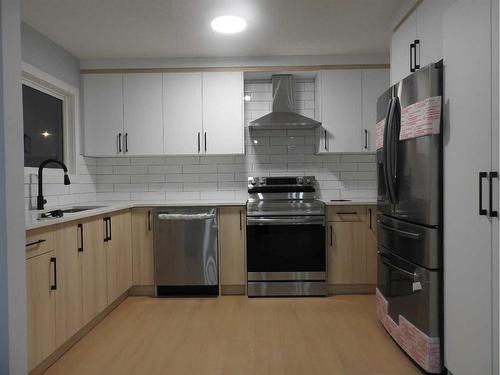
point(410, 215)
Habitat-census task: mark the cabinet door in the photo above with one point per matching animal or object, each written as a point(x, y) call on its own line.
point(41, 304)
point(119, 256)
point(94, 288)
point(430, 30)
point(69, 312)
point(374, 82)
point(103, 113)
point(223, 113)
point(142, 247)
point(340, 107)
point(232, 245)
point(182, 113)
point(400, 48)
point(468, 235)
point(143, 114)
point(346, 253)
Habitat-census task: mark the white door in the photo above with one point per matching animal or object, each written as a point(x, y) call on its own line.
point(143, 114)
point(374, 83)
point(103, 114)
point(223, 127)
point(182, 113)
point(430, 30)
point(467, 235)
point(400, 48)
point(341, 110)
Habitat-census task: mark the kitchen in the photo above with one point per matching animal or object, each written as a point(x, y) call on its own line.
point(250, 187)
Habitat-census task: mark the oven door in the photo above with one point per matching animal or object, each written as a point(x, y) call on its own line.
point(411, 291)
point(286, 248)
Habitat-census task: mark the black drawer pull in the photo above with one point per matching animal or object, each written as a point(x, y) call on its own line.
point(35, 243)
point(80, 227)
point(347, 213)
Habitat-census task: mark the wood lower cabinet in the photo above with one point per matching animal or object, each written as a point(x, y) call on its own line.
point(69, 312)
point(232, 249)
point(142, 247)
point(41, 304)
point(94, 287)
point(119, 254)
point(352, 248)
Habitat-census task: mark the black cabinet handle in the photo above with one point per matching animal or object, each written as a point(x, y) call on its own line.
point(482, 211)
point(416, 45)
point(110, 231)
point(241, 222)
point(366, 139)
point(105, 220)
point(199, 146)
point(80, 228)
point(54, 286)
point(149, 221)
point(35, 242)
point(126, 142)
point(205, 141)
point(347, 213)
point(370, 213)
point(493, 213)
point(412, 53)
point(119, 142)
point(326, 145)
point(331, 236)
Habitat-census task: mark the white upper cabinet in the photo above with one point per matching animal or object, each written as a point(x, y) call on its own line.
point(223, 124)
point(143, 118)
point(374, 83)
point(340, 111)
point(182, 113)
point(103, 114)
point(401, 40)
point(419, 39)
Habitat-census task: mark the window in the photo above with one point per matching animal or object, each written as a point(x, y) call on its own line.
point(43, 126)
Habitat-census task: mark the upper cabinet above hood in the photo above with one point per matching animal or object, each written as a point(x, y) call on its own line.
point(282, 115)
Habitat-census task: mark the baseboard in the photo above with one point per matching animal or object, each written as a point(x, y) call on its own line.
point(51, 359)
point(351, 289)
point(142, 290)
point(232, 290)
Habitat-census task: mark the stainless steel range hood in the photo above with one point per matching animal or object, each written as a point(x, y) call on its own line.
point(282, 115)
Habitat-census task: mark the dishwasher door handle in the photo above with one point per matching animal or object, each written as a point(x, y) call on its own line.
point(185, 216)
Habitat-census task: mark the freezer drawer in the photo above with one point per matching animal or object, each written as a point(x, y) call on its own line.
point(416, 243)
point(411, 291)
point(185, 249)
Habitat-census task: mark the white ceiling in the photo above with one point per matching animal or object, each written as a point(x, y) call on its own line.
point(102, 29)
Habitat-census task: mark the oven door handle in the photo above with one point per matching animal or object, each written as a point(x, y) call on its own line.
point(289, 220)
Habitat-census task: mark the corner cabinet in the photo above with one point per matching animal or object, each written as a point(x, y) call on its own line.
point(163, 114)
point(347, 107)
point(418, 41)
point(142, 247)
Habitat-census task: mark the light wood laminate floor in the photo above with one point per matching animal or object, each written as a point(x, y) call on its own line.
point(236, 335)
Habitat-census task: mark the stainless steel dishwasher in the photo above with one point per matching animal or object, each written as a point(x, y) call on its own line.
point(186, 251)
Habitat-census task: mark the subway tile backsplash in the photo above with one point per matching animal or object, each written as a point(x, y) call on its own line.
point(267, 152)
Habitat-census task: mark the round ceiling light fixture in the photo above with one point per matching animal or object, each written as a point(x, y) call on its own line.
point(228, 24)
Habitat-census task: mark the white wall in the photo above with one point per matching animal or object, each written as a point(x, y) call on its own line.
point(44, 54)
point(12, 256)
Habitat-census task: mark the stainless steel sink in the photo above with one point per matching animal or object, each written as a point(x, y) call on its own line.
point(76, 209)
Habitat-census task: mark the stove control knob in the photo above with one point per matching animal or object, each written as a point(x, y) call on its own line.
point(300, 180)
point(309, 181)
point(262, 181)
point(253, 181)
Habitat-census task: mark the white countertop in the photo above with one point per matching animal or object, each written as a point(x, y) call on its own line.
point(32, 221)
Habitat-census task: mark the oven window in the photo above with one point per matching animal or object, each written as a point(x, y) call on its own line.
point(286, 248)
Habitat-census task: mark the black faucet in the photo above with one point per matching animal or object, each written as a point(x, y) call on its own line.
point(40, 201)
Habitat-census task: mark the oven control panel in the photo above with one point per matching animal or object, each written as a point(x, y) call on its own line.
point(281, 181)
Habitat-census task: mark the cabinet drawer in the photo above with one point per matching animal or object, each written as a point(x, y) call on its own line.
point(346, 213)
point(39, 241)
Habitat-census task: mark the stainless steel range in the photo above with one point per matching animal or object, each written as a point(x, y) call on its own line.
point(286, 254)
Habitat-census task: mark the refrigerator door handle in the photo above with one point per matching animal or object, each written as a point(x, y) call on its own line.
point(393, 136)
point(385, 144)
point(401, 233)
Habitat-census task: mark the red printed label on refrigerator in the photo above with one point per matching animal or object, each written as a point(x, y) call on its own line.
point(379, 134)
point(421, 118)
